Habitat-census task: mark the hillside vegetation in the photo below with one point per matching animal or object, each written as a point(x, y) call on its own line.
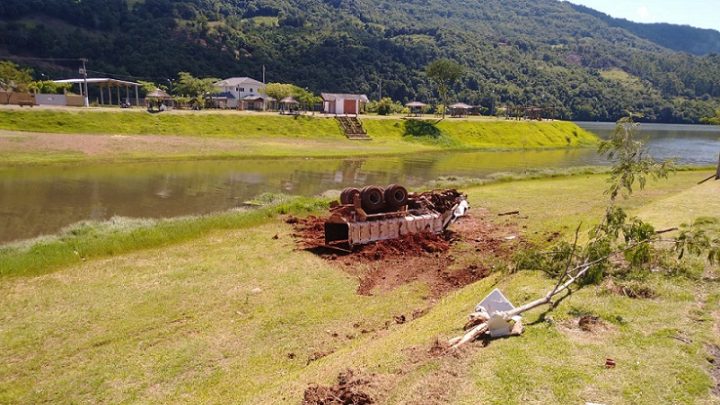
point(543, 52)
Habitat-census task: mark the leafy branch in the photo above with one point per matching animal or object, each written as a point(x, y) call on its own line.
point(616, 241)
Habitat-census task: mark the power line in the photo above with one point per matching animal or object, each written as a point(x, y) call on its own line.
point(129, 76)
point(30, 58)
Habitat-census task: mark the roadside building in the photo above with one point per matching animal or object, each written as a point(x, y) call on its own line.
point(415, 107)
point(121, 88)
point(343, 104)
point(236, 90)
point(257, 103)
point(460, 109)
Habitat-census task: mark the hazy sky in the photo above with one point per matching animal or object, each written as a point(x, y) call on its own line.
point(698, 13)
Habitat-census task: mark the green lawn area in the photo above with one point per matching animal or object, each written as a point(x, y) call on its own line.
point(232, 314)
point(184, 135)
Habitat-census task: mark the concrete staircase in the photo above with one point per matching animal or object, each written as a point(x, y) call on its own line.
point(353, 128)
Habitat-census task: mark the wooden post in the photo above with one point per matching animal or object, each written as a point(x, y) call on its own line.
point(102, 96)
point(717, 174)
point(118, 94)
point(137, 97)
point(109, 94)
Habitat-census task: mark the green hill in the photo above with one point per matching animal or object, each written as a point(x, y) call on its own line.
point(543, 52)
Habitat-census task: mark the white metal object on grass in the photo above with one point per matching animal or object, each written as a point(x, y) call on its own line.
point(495, 304)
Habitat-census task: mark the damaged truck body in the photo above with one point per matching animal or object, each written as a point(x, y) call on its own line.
point(375, 213)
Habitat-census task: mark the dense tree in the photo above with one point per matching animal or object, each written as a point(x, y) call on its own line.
point(194, 87)
point(49, 87)
point(444, 73)
point(13, 78)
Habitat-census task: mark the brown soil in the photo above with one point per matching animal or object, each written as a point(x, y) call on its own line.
point(590, 323)
point(586, 329)
point(714, 359)
point(317, 356)
point(630, 290)
point(386, 265)
point(349, 390)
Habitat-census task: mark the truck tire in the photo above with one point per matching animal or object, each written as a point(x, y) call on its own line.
point(347, 196)
point(396, 196)
point(372, 199)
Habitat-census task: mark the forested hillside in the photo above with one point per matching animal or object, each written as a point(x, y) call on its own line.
point(539, 52)
point(681, 38)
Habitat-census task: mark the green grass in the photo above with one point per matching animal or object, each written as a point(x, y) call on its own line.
point(470, 134)
point(623, 78)
point(213, 319)
point(142, 123)
point(90, 240)
point(236, 135)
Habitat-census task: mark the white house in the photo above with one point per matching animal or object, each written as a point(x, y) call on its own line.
point(235, 90)
point(343, 104)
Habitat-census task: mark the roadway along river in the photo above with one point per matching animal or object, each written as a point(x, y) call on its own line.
point(43, 200)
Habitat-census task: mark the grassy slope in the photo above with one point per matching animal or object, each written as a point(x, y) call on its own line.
point(181, 323)
point(274, 136)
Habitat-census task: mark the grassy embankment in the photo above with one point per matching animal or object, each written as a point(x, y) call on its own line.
point(234, 314)
point(222, 135)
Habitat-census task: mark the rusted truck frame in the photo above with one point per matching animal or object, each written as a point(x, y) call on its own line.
point(350, 224)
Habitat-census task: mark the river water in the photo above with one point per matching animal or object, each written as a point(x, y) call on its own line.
point(43, 200)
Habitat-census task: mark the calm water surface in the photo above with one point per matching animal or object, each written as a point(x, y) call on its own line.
point(37, 201)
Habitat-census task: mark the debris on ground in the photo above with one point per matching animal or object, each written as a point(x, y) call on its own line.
point(610, 363)
point(425, 257)
point(496, 317)
point(590, 323)
point(318, 355)
point(349, 390)
point(714, 360)
point(630, 289)
point(377, 213)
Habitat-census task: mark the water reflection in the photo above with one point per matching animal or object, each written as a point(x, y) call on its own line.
point(35, 201)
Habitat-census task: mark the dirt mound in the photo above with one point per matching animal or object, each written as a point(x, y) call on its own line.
point(349, 390)
point(425, 257)
point(630, 289)
point(590, 323)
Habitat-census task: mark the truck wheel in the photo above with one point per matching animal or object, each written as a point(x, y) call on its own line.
point(396, 196)
point(348, 195)
point(372, 199)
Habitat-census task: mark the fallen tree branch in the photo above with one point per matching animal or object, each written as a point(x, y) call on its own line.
point(567, 279)
point(666, 231)
point(505, 214)
point(714, 176)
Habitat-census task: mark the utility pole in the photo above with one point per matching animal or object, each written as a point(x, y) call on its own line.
point(264, 92)
point(83, 72)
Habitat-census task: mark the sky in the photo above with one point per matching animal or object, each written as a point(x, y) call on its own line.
point(698, 13)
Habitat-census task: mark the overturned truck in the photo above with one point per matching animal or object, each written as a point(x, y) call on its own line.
point(375, 213)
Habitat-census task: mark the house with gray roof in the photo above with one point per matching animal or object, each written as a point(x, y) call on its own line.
point(235, 90)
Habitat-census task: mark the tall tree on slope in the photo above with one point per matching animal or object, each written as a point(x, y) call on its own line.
point(444, 73)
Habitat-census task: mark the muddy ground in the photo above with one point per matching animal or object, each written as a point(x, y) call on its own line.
point(469, 251)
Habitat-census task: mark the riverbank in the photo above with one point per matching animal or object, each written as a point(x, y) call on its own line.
point(60, 136)
point(218, 315)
